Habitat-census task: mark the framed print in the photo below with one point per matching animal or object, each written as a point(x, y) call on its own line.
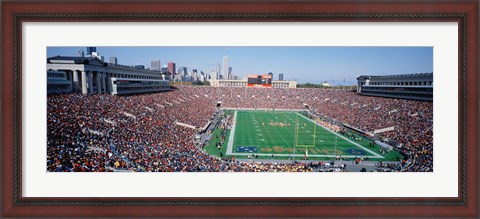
point(270, 108)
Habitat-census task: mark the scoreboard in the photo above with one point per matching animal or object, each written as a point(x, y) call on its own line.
point(259, 81)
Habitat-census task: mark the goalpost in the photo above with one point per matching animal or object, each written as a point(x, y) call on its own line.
point(297, 122)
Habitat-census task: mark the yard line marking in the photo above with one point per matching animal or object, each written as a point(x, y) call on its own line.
point(345, 138)
point(232, 134)
point(286, 144)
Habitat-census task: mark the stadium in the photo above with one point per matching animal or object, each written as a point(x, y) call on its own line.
point(153, 127)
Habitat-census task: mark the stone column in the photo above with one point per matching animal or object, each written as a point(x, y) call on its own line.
point(75, 80)
point(84, 82)
point(99, 83)
point(90, 82)
point(109, 83)
point(104, 89)
point(70, 78)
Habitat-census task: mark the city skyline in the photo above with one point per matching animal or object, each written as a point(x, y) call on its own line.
point(336, 65)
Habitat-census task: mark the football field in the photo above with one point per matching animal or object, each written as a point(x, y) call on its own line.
point(288, 135)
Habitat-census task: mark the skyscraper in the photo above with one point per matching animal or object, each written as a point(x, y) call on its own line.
point(113, 60)
point(91, 50)
point(280, 77)
point(80, 53)
point(214, 75)
point(271, 78)
point(184, 70)
point(230, 76)
point(155, 65)
point(171, 68)
point(164, 69)
point(219, 76)
point(180, 71)
point(225, 68)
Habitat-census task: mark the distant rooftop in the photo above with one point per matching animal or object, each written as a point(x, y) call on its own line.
point(74, 59)
point(430, 74)
point(90, 60)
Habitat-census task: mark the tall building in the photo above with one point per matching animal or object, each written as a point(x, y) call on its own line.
point(219, 76)
point(271, 77)
point(230, 76)
point(195, 73)
point(171, 67)
point(280, 77)
point(225, 67)
point(164, 69)
point(113, 60)
point(214, 75)
point(80, 53)
point(180, 71)
point(91, 50)
point(155, 65)
point(184, 70)
point(194, 77)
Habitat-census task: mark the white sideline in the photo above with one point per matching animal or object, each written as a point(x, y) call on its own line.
point(341, 136)
point(232, 133)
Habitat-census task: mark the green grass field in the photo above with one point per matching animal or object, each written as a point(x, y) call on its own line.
point(286, 135)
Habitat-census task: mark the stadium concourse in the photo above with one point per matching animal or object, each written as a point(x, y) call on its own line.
point(141, 132)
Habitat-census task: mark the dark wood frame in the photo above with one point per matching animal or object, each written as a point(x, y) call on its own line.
point(16, 12)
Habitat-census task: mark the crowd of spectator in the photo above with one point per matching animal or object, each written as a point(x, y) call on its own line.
point(141, 133)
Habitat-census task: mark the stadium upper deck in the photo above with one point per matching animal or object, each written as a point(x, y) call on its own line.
point(405, 86)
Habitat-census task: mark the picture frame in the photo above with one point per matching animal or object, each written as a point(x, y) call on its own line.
point(14, 13)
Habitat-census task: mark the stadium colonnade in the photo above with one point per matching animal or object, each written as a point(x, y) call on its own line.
point(90, 75)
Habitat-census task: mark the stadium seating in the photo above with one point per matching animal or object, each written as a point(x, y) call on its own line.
point(139, 132)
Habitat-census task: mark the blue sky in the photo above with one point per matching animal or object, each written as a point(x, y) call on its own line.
point(304, 64)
